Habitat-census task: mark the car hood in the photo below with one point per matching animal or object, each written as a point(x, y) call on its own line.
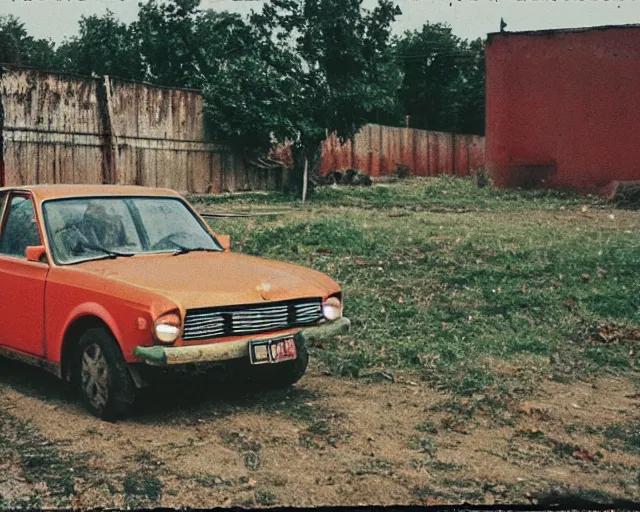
point(209, 279)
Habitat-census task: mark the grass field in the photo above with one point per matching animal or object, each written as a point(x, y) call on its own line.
point(493, 359)
point(463, 284)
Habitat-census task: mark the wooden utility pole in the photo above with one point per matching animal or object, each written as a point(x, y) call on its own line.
point(113, 176)
point(305, 178)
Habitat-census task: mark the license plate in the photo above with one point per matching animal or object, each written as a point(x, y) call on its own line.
point(272, 351)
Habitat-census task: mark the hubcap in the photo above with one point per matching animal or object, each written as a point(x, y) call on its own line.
point(95, 376)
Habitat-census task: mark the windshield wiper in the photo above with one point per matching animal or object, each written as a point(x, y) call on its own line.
point(181, 249)
point(80, 247)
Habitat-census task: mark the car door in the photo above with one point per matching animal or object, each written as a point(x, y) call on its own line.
point(22, 282)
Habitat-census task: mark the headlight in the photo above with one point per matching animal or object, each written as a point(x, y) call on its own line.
point(167, 328)
point(332, 308)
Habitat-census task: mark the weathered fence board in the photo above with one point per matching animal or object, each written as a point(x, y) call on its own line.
point(378, 150)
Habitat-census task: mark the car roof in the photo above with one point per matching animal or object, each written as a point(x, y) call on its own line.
point(43, 192)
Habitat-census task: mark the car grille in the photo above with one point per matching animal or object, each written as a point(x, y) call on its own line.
point(205, 323)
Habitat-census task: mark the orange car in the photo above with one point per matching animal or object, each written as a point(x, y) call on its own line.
point(99, 283)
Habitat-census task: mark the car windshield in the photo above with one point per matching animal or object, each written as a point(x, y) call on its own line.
point(108, 227)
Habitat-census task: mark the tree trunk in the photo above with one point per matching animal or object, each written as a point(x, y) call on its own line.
point(306, 157)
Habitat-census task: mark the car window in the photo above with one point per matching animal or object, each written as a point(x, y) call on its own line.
point(80, 229)
point(168, 219)
point(84, 228)
point(20, 229)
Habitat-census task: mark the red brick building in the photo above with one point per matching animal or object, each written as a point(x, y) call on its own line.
point(563, 107)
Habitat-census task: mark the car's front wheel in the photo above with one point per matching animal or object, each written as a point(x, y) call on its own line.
point(101, 375)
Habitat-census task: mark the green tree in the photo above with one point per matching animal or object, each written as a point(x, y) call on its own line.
point(443, 79)
point(242, 74)
point(472, 113)
point(103, 46)
point(18, 47)
point(331, 64)
point(251, 103)
point(165, 31)
point(184, 46)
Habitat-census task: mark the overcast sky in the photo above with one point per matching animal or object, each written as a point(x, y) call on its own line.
point(57, 19)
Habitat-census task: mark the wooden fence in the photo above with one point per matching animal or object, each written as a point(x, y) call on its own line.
point(378, 150)
point(68, 129)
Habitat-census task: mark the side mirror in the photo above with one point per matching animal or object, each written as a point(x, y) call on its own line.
point(225, 242)
point(36, 253)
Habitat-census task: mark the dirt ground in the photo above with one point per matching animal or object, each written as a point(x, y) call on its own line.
point(385, 439)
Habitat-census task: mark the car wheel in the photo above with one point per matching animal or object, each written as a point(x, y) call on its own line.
point(281, 375)
point(101, 375)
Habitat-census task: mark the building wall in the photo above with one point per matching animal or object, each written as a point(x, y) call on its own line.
point(563, 108)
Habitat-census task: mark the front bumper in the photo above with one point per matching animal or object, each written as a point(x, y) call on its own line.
point(225, 351)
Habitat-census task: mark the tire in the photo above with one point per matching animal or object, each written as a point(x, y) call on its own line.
point(280, 375)
point(101, 376)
